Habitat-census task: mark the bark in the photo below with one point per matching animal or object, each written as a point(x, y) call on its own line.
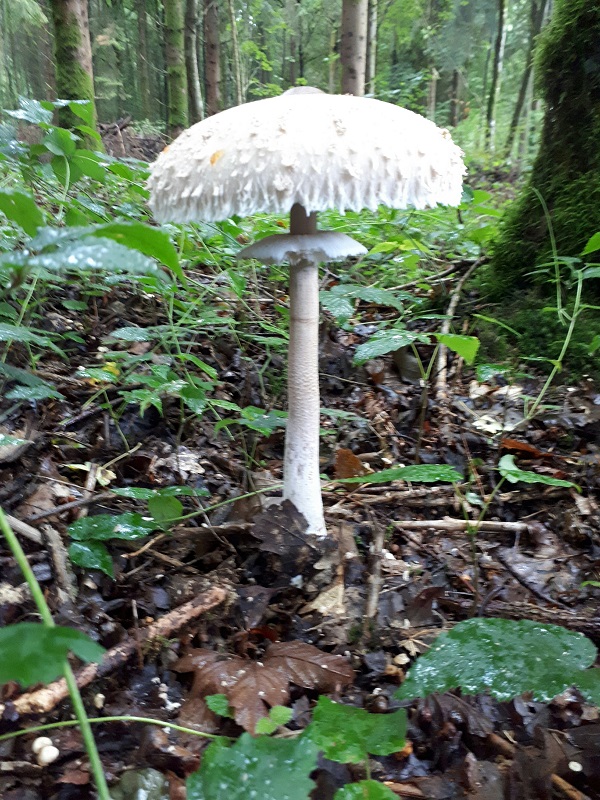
point(371, 47)
point(196, 108)
point(566, 170)
point(536, 20)
point(212, 57)
point(177, 118)
point(72, 56)
point(490, 117)
point(235, 52)
point(143, 70)
point(432, 94)
point(455, 98)
point(353, 48)
point(332, 80)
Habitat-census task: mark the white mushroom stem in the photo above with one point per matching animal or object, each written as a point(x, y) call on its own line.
point(301, 481)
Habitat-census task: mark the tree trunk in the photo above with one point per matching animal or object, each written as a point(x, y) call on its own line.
point(353, 48)
point(490, 116)
point(72, 56)
point(212, 57)
point(371, 47)
point(191, 61)
point(235, 52)
point(536, 20)
point(432, 94)
point(177, 119)
point(455, 98)
point(333, 62)
point(566, 170)
point(142, 58)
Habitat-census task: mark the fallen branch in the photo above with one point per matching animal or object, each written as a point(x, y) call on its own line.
point(24, 529)
point(44, 700)
point(460, 525)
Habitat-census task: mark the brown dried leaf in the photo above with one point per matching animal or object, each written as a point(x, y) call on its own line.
point(307, 666)
point(258, 688)
point(348, 465)
point(214, 673)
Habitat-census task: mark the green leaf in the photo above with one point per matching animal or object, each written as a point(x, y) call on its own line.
point(588, 683)
point(502, 657)
point(349, 734)
point(338, 300)
point(19, 334)
point(219, 704)
point(465, 346)
point(60, 142)
point(592, 245)
point(281, 715)
point(31, 111)
point(165, 509)
point(95, 253)
point(139, 493)
point(102, 527)
point(265, 726)
point(147, 240)
point(264, 768)
point(83, 109)
point(33, 393)
point(14, 441)
point(92, 555)
point(21, 208)
point(419, 473)
point(34, 653)
point(386, 342)
point(365, 790)
point(509, 470)
point(90, 164)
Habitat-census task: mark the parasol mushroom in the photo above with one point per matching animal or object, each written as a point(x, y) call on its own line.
point(305, 152)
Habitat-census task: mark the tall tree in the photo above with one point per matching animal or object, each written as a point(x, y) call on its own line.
point(196, 107)
point(565, 177)
point(371, 68)
point(176, 73)
point(353, 47)
point(73, 55)
point(536, 20)
point(143, 66)
point(490, 116)
point(235, 54)
point(212, 57)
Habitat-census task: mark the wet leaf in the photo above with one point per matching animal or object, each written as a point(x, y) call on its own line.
point(140, 493)
point(91, 555)
point(307, 666)
point(263, 769)
point(419, 473)
point(502, 657)
point(146, 239)
point(107, 526)
point(509, 470)
point(465, 346)
point(365, 790)
point(386, 342)
point(349, 734)
point(35, 653)
point(219, 704)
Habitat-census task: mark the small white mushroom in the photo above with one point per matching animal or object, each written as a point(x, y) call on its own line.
point(47, 755)
point(39, 743)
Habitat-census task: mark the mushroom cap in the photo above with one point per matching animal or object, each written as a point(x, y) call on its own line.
point(321, 151)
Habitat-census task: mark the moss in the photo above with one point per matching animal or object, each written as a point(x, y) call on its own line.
point(176, 72)
point(566, 172)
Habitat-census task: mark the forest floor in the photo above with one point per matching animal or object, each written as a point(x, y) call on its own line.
point(403, 564)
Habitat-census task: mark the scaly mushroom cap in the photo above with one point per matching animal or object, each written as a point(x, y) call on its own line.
point(321, 151)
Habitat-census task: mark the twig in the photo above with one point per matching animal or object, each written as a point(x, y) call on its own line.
point(459, 525)
point(24, 529)
point(62, 569)
point(374, 580)
point(44, 700)
point(83, 501)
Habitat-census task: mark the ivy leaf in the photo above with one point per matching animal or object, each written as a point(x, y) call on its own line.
point(269, 769)
point(509, 470)
point(419, 473)
point(21, 208)
point(92, 555)
point(365, 790)
point(35, 653)
point(502, 657)
point(349, 734)
point(465, 346)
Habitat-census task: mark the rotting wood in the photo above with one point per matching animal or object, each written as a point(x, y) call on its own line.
point(44, 700)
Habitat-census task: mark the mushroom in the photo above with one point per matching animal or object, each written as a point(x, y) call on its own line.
point(305, 152)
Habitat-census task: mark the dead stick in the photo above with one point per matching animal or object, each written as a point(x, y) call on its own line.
point(83, 501)
point(459, 525)
point(24, 529)
point(44, 700)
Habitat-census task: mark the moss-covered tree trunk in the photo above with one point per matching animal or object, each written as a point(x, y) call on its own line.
point(73, 56)
point(177, 118)
point(212, 57)
point(566, 171)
